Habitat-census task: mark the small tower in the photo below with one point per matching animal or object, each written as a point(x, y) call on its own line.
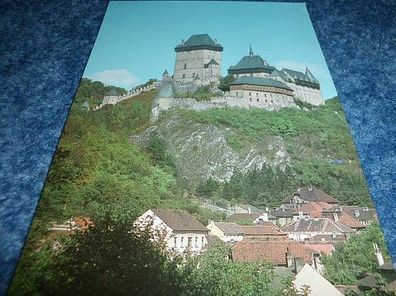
point(165, 76)
point(199, 55)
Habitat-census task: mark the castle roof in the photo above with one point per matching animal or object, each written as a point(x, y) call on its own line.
point(200, 41)
point(300, 78)
point(260, 81)
point(251, 64)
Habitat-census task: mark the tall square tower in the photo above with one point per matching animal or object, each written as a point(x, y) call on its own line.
point(198, 59)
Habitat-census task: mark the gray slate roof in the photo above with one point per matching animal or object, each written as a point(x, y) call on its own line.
point(200, 41)
point(230, 228)
point(300, 78)
point(317, 225)
point(260, 81)
point(180, 220)
point(251, 64)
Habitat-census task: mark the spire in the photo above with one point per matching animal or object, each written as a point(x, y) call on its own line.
point(310, 75)
point(250, 51)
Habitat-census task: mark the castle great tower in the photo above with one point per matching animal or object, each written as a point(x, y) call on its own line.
point(198, 60)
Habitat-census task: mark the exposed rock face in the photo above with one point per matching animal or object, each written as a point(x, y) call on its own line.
point(201, 151)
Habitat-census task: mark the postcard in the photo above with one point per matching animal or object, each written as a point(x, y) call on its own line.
point(206, 153)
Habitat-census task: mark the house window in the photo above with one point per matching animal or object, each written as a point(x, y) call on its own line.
point(175, 241)
point(185, 66)
point(184, 75)
point(190, 241)
point(196, 242)
point(203, 241)
point(182, 242)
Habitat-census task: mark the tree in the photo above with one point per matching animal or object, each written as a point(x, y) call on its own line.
point(214, 274)
point(110, 259)
point(355, 258)
point(225, 82)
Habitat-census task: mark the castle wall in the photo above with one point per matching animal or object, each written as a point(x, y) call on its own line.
point(307, 94)
point(191, 63)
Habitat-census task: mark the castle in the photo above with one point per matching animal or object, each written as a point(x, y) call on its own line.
point(198, 61)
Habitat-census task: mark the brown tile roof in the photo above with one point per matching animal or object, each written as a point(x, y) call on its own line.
point(350, 221)
point(230, 228)
point(180, 220)
point(317, 225)
point(312, 194)
point(327, 238)
point(314, 209)
point(267, 223)
point(271, 251)
point(325, 249)
point(262, 230)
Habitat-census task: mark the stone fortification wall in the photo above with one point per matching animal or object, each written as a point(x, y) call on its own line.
point(307, 94)
point(163, 104)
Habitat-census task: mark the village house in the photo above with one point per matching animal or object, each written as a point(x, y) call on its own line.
point(252, 218)
point(280, 253)
point(180, 231)
point(304, 229)
point(263, 232)
point(310, 278)
point(307, 195)
point(228, 232)
point(310, 210)
point(283, 215)
point(364, 215)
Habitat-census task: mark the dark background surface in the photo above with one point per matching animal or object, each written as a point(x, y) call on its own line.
point(44, 47)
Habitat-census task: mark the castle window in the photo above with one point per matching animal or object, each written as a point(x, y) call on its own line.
point(236, 93)
point(257, 100)
point(256, 94)
point(250, 93)
point(266, 100)
point(251, 75)
point(185, 66)
point(272, 101)
point(184, 75)
point(250, 99)
point(193, 75)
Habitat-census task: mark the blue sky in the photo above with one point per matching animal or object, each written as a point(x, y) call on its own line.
point(136, 40)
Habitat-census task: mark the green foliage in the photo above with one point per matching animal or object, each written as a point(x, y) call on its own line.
point(353, 259)
point(93, 92)
point(313, 139)
point(203, 93)
point(303, 104)
point(110, 259)
point(225, 82)
point(158, 150)
point(213, 274)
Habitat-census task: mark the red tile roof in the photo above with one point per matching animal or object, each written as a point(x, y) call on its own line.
point(262, 230)
point(314, 209)
point(325, 249)
point(350, 221)
point(270, 251)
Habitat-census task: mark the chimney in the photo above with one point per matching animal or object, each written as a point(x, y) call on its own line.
point(289, 258)
point(378, 253)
